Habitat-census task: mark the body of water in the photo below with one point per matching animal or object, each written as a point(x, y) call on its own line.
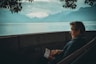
point(33, 28)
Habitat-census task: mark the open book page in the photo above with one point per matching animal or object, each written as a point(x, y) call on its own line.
point(47, 53)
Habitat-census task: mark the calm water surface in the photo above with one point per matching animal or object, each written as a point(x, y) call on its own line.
point(31, 28)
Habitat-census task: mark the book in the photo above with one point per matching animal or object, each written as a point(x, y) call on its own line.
point(47, 53)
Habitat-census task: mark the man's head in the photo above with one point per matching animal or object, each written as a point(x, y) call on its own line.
point(77, 28)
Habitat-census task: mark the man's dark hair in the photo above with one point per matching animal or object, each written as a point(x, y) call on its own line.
point(78, 25)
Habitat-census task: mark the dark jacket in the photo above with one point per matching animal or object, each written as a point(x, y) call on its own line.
point(70, 47)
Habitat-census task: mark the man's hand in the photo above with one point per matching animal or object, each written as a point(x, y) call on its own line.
point(54, 52)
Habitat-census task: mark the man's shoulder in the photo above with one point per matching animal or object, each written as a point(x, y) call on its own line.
point(80, 41)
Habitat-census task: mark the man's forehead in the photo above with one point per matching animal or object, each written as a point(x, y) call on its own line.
point(72, 26)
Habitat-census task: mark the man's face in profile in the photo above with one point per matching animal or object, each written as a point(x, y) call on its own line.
point(74, 32)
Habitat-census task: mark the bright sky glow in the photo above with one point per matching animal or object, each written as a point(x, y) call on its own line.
point(43, 0)
point(37, 0)
point(37, 14)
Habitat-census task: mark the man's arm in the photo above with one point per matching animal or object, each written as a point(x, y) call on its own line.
point(49, 54)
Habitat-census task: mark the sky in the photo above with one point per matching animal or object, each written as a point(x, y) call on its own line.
point(44, 8)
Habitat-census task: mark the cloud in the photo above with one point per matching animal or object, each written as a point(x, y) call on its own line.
point(37, 14)
point(40, 9)
point(43, 0)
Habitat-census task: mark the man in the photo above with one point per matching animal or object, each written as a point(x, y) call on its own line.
point(77, 41)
